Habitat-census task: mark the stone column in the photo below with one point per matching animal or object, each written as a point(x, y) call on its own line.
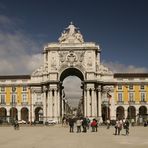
point(8, 113)
point(19, 114)
point(125, 113)
point(50, 104)
point(95, 95)
point(99, 103)
point(55, 104)
point(85, 104)
point(112, 103)
point(88, 103)
point(58, 105)
point(93, 102)
point(44, 104)
point(32, 102)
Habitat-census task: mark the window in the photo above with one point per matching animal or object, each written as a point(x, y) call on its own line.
point(143, 96)
point(3, 99)
point(13, 98)
point(120, 97)
point(130, 87)
point(119, 87)
point(24, 97)
point(24, 88)
point(13, 89)
point(131, 96)
point(2, 89)
point(142, 87)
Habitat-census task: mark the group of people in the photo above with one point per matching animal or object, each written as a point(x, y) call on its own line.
point(120, 124)
point(82, 124)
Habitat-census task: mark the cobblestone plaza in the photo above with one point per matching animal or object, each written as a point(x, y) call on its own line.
point(59, 137)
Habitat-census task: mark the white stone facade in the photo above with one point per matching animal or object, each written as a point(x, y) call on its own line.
point(72, 56)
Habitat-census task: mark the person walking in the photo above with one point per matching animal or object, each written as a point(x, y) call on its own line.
point(119, 126)
point(71, 125)
point(126, 127)
point(116, 127)
point(93, 125)
point(78, 124)
point(84, 125)
point(108, 123)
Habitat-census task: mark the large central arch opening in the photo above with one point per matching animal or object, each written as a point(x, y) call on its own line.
point(72, 92)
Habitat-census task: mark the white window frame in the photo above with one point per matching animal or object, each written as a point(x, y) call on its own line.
point(24, 88)
point(142, 87)
point(3, 89)
point(120, 87)
point(143, 96)
point(132, 87)
point(13, 89)
point(120, 96)
point(13, 98)
point(24, 97)
point(3, 99)
point(130, 96)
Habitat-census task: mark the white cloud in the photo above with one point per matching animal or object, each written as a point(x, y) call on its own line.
point(117, 67)
point(73, 91)
point(17, 50)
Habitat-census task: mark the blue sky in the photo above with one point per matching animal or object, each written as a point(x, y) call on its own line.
point(118, 26)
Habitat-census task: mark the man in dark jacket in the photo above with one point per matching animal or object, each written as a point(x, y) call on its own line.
point(126, 127)
point(71, 125)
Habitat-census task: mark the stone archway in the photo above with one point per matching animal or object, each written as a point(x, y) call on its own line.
point(131, 112)
point(65, 74)
point(105, 113)
point(3, 113)
point(38, 114)
point(13, 114)
point(24, 114)
point(120, 113)
point(142, 112)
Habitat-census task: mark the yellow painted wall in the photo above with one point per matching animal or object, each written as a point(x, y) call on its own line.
point(125, 93)
point(19, 95)
point(136, 90)
point(29, 95)
point(8, 90)
point(115, 93)
point(8, 96)
point(137, 93)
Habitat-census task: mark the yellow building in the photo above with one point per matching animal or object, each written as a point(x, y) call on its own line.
point(131, 95)
point(15, 97)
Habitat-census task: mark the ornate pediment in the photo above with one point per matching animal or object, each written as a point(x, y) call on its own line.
point(71, 35)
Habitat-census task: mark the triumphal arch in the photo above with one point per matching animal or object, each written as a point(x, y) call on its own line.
point(71, 55)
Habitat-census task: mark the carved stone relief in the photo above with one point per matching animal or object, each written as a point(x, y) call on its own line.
point(53, 63)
